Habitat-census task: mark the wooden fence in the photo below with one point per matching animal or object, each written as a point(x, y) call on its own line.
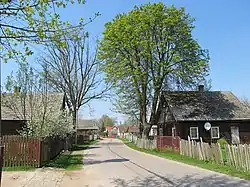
point(237, 156)
point(21, 151)
point(168, 142)
point(201, 150)
point(146, 144)
point(24, 151)
point(141, 143)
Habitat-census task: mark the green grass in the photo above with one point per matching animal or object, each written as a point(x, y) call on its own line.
point(19, 168)
point(191, 161)
point(72, 160)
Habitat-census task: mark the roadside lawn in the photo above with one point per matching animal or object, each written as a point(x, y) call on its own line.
point(191, 161)
point(19, 168)
point(71, 160)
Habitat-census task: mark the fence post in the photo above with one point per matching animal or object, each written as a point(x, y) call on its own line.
point(1, 162)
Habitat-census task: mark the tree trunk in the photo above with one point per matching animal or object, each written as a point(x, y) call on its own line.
point(66, 148)
point(74, 124)
point(146, 130)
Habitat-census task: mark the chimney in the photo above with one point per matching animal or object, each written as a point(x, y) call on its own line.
point(201, 88)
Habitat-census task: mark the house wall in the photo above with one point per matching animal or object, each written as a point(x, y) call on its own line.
point(11, 127)
point(183, 130)
point(84, 135)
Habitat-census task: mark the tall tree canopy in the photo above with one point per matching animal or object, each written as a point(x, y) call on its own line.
point(74, 70)
point(147, 50)
point(105, 121)
point(32, 21)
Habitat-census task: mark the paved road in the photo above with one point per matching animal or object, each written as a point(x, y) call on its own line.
point(110, 163)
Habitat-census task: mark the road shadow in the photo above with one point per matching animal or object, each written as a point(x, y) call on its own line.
point(111, 143)
point(156, 179)
point(90, 155)
point(187, 181)
point(166, 179)
point(80, 148)
point(89, 161)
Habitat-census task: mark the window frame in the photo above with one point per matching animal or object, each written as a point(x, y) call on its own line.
point(218, 133)
point(197, 133)
point(173, 131)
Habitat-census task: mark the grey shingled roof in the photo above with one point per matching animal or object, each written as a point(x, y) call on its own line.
point(123, 128)
point(13, 106)
point(87, 124)
point(212, 105)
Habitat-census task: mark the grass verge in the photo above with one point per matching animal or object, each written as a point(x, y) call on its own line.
point(19, 168)
point(71, 160)
point(191, 161)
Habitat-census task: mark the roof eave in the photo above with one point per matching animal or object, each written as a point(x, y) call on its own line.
point(234, 119)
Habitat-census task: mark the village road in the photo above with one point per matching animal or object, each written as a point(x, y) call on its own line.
point(110, 163)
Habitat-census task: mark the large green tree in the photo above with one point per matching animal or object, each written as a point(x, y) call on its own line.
point(105, 121)
point(147, 48)
point(25, 22)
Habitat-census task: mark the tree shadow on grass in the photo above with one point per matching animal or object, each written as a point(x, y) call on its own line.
point(67, 161)
point(86, 145)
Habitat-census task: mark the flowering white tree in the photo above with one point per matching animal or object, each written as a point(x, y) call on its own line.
point(42, 110)
point(56, 123)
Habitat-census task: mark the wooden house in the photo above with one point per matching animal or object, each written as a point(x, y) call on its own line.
point(87, 129)
point(16, 111)
point(184, 113)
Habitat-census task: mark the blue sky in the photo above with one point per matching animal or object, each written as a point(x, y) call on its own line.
point(222, 27)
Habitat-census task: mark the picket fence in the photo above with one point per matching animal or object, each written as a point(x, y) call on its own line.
point(142, 143)
point(26, 151)
point(21, 151)
point(237, 156)
point(201, 150)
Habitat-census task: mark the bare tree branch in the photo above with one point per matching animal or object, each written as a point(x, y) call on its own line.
point(76, 72)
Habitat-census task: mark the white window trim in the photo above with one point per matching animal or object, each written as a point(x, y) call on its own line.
point(173, 131)
point(218, 134)
point(197, 134)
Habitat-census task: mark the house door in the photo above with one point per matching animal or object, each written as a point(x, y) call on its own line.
point(235, 134)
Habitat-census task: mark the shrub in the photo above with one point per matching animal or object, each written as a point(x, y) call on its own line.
point(222, 141)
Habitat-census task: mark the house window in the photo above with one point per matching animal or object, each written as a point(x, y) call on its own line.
point(194, 133)
point(173, 131)
point(215, 132)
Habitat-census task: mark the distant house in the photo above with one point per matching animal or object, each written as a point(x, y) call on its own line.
point(128, 130)
point(112, 131)
point(184, 113)
point(87, 129)
point(133, 129)
point(16, 111)
point(122, 130)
